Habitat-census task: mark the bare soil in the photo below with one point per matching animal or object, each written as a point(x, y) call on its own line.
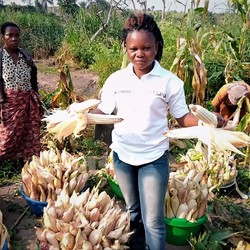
point(17, 217)
point(85, 83)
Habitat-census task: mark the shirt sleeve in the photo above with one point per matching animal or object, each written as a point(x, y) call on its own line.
point(108, 103)
point(177, 100)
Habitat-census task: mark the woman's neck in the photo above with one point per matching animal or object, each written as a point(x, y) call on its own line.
point(141, 72)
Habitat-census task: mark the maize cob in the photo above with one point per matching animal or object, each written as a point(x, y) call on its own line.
point(182, 211)
point(204, 115)
point(83, 106)
point(73, 120)
point(215, 138)
point(102, 119)
point(174, 201)
point(168, 210)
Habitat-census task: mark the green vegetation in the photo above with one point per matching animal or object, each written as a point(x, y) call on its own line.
point(41, 34)
point(92, 35)
point(88, 37)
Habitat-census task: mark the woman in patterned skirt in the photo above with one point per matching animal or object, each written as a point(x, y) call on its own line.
point(20, 109)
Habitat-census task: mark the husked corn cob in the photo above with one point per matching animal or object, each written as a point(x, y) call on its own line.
point(215, 138)
point(75, 118)
point(83, 106)
point(102, 119)
point(182, 211)
point(204, 115)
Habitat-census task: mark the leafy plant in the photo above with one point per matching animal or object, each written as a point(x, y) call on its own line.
point(68, 6)
point(10, 170)
point(211, 240)
point(243, 179)
point(107, 60)
point(224, 214)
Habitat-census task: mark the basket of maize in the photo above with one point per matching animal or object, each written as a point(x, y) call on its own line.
point(53, 172)
point(111, 177)
point(179, 231)
point(36, 207)
point(115, 188)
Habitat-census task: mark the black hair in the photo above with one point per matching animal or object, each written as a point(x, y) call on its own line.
point(6, 25)
point(141, 21)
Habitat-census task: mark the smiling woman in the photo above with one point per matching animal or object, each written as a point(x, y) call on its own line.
point(141, 94)
point(20, 109)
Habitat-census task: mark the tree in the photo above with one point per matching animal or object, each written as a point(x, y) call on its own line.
point(43, 5)
point(163, 10)
point(69, 6)
point(29, 2)
point(82, 5)
point(113, 5)
point(133, 5)
point(143, 4)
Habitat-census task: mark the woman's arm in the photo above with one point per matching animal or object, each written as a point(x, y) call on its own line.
point(188, 120)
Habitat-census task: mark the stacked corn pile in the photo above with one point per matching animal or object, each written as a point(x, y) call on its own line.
point(3, 231)
point(87, 221)
point(186, 196)
point(46, 176)
point(221, 170)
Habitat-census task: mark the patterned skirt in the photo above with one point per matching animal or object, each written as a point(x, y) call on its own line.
point(20, 123)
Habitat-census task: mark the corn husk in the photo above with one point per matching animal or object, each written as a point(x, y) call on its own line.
point(185, 198)
point(75, 118)
point(101, 229)
point(3, 232)
point(45, 177)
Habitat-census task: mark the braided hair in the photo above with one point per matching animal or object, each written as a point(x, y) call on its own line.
point(141, 21)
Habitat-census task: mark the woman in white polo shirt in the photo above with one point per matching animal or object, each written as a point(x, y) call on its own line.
point(141, 94)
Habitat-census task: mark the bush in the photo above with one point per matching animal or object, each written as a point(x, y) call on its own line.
point(41, 33)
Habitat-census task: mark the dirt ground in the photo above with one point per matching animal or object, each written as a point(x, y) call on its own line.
point(17, 217)
point(21, 223)
point(85, 83)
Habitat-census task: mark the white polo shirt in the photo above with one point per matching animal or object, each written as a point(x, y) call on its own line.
point(143, 104)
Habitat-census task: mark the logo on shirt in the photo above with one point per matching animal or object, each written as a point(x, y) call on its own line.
point(123, 92)
point(163, 95)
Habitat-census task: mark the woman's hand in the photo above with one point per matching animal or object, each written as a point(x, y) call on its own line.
point(221, 121)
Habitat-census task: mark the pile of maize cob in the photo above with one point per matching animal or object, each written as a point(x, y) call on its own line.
point(75, 118)
point(186, 197)
point(221, 170)
point(44, 177)
point(3, 232)
point(87, 221)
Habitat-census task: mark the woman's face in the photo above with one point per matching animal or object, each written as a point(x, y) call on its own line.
point(141, 50)
point(11, 37)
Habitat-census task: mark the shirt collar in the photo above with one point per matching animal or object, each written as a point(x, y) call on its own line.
point(155, 71)
point(5, 52)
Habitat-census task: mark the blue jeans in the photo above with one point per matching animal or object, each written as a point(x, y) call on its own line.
point(144, 188)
